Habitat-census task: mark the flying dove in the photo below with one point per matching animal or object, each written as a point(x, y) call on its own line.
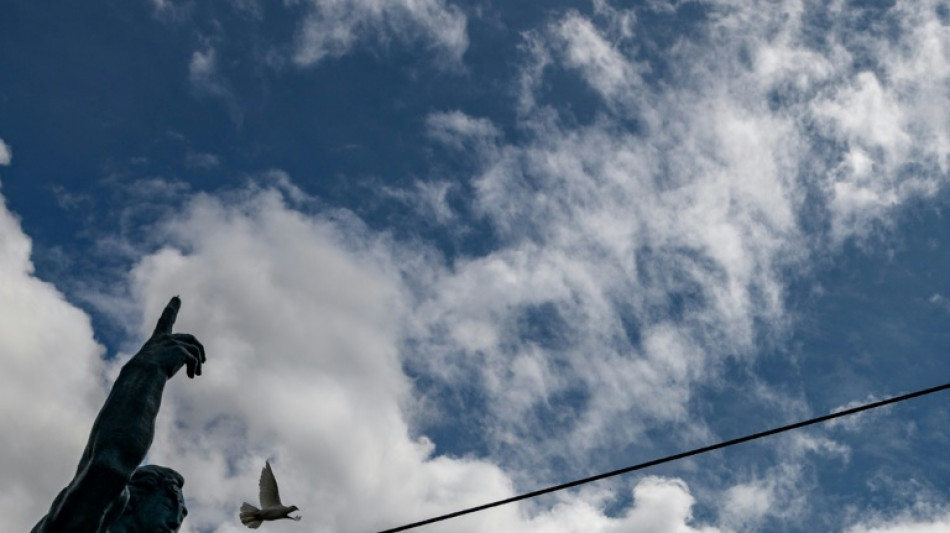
point(271, 508)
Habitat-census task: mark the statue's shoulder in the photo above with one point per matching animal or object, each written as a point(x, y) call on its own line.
point(81, 512)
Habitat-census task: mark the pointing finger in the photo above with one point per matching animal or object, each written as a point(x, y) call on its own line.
point(168, 317)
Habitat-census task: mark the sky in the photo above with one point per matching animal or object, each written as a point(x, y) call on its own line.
point(443, 252)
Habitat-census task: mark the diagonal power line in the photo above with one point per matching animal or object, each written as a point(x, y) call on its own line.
point(670, 458)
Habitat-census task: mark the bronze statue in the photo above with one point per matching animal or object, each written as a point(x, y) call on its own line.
point(111, 493)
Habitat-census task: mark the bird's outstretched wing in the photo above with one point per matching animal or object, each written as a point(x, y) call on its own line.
point(270, 497)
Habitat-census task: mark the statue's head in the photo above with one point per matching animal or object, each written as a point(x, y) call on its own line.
point(156, 503)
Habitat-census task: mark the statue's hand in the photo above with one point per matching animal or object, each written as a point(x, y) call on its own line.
point(172, 350)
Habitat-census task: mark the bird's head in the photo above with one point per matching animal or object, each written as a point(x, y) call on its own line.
point(291, 509)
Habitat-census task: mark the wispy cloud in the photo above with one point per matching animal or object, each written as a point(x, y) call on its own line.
point(655, 251)
point(171, 10)
point(461, 131)
point(924, 519)
point(331, 28)
point(206, 79)
point(6, 154)
point(201, 160)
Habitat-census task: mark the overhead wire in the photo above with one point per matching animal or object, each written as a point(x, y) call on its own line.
point(670, 458)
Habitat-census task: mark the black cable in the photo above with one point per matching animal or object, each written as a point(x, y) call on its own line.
point(670, 458)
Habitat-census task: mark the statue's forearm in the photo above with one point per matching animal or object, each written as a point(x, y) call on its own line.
point(118, 443)
point(124, 429)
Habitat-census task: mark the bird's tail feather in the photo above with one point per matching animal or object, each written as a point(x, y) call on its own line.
point(249, 516)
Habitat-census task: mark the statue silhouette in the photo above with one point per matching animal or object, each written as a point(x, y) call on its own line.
point(110, 492)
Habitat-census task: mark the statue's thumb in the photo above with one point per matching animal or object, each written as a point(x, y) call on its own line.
point(167, 320)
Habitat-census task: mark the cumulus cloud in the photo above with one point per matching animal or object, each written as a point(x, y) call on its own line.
point(660, 505)
point(6, 155)
point(302, 317)
point(331, 28)
point(51, 385)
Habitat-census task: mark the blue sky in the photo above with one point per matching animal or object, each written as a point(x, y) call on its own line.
point(445, 252)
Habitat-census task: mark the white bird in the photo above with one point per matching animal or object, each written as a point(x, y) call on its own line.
point(271, 508)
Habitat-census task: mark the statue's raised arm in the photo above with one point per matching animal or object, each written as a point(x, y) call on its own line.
point(110, 493)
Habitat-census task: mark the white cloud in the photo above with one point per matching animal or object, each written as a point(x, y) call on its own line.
point(333, 27)
point(171, 10)
point(162, 5)
point(458, 130)
point(51, 385)
point(658, 251)
point(429, 199)
point(202, 69)
point(202, 160)
point(660, 506)
point(251, 8)
point(782, 490)
point(746, 504)
point(869, 115)
point(302, 318)
point(602, 56)
point(890, 117)
point(857, 421)
point(595, 229)
point(6, 155)
point(206, 79)
point(905, 524)
point(605, 68)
